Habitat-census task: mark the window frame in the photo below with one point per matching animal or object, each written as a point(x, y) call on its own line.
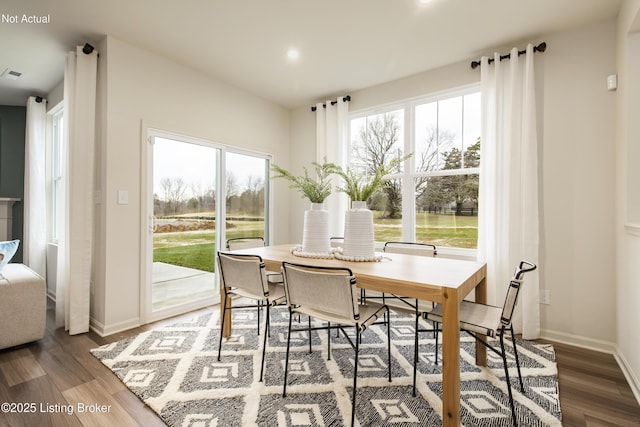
point(223, 150)
point(409, 174)
point(55, 154)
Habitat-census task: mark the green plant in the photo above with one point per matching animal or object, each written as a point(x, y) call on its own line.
point(360, 187)
point(316, 190)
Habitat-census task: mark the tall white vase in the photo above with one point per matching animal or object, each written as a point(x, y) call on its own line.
point(358, 232)
point(315, 234)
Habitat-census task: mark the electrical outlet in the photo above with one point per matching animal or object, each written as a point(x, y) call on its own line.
point(545, 296)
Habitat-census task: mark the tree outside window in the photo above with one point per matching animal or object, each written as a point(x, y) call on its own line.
point(443, 172)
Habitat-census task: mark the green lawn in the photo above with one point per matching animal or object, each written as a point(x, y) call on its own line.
point(196, 249)
point(200, 256)
point(440, 230)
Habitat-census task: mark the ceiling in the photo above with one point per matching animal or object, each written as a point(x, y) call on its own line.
point(345, 45)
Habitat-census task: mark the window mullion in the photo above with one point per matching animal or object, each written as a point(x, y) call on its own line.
point(408, 195)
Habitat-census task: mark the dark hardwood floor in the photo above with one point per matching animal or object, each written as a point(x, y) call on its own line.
point(593, 390)
point(45, 380)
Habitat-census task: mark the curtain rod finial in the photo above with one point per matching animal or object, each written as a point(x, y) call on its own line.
point(475, 64)
point(87, 49)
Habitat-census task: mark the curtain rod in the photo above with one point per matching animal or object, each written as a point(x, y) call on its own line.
point(344, 99)
point(540, 48)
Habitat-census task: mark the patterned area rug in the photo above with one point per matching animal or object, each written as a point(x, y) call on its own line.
point(174, 370)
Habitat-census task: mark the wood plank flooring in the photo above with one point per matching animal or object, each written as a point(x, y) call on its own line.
point(58, 372)
point(593, 390)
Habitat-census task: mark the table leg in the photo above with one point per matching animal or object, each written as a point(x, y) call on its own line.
point(450, 359)
point(227, 320)
point(481, 350)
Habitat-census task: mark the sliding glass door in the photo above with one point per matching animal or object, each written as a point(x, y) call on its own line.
point(198, 195)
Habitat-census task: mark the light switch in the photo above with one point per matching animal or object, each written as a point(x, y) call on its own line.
point(612, 82)
point(123, 197)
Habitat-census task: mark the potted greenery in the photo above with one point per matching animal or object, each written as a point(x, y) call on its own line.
point(316, 190)
point(360, 187)
point(359, 241)
point(315, 235)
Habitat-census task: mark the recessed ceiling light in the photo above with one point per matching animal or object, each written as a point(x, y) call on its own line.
point(293, 54)
point(424, 1)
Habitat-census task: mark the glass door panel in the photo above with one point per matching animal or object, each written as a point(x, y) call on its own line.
point(185, 185)
point(246, 196)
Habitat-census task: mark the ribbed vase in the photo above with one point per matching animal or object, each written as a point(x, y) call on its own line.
point(358, 232)
point(315, 234)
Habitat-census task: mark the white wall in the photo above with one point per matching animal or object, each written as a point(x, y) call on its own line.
point(303, 152)
point(577, 131)
point(578, 191)
point(628, 206)
point(135, 87)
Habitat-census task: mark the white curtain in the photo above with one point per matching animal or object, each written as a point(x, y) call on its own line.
point(331, 144)
point(75, 242)
point(508, 212)
point(34, 242)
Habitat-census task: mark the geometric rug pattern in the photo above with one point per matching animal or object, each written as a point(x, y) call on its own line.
point(174, 370)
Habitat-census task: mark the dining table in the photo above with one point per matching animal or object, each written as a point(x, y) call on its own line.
point(442, 280)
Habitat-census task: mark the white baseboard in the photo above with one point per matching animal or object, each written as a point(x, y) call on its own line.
point(628, 373)
point(102, 330)
point(601, 346)
point(578, 341)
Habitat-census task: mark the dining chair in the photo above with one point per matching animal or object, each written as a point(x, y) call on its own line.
point(493, 321)
point(413, 305)
point(244, 276)
point(238, 243)
point(409, 248)
point(330, 294)
point(244, 243)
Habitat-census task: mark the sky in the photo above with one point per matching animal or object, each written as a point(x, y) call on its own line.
point(196, 164)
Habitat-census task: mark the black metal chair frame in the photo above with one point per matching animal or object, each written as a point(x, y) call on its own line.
point(234, 239)
point(258, 305)
point(363, 296)
point(412, 304)
point(257, 239)
point(506, 325)
point(355, 345)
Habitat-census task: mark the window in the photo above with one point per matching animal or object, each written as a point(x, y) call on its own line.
point(56, 156)
point(435, 198)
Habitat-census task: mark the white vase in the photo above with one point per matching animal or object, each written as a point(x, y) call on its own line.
point(315, 234)
point(358, 232)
